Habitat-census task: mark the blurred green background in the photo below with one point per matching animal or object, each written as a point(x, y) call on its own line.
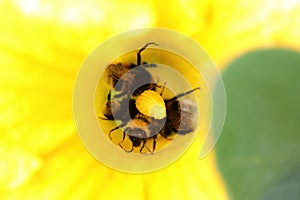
point(258, 152)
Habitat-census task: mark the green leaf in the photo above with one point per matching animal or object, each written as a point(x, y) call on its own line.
point(258, 152)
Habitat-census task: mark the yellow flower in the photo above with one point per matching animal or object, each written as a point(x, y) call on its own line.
point(42, 47)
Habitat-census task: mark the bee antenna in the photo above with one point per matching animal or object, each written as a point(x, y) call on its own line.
point(144, 145)
point(163, 89)
point(142, 49)
point(104, 118)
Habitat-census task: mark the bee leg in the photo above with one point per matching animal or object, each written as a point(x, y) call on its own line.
point(125, 149)
point(144, 142)
point(163, 89)
point(116, 128)
point(106, 118)
point(130, 149)
point(109, 95)
point(124, 134)
point(149, 65)
point(122, 141)
point(109, 134)
point(186, 131)
point(153, 86)
point(144, 145)
point(183, 94)
point(154, 143)
point(123, 138)
point(142, 49)
point(112, 130)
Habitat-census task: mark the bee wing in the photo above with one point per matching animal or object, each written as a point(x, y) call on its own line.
point(115, 72)
point(189, 117)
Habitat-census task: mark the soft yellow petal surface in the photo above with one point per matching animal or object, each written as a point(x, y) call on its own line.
point(42, 45)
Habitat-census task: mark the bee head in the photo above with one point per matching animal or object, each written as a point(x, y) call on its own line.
point(135, 141)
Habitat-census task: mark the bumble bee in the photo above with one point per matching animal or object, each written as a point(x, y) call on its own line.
point(155, 115)
point(135, 76)
point(139, 130)
point(122, 79)
point(181, 115)
point(143, 113)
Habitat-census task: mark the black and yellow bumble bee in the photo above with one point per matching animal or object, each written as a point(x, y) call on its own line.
point(135, 76)
point(142, 111)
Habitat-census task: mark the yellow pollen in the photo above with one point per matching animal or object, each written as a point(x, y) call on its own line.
point(151, 104)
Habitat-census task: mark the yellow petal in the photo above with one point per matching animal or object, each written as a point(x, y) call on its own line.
point(43, 45)
point(16, 165)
